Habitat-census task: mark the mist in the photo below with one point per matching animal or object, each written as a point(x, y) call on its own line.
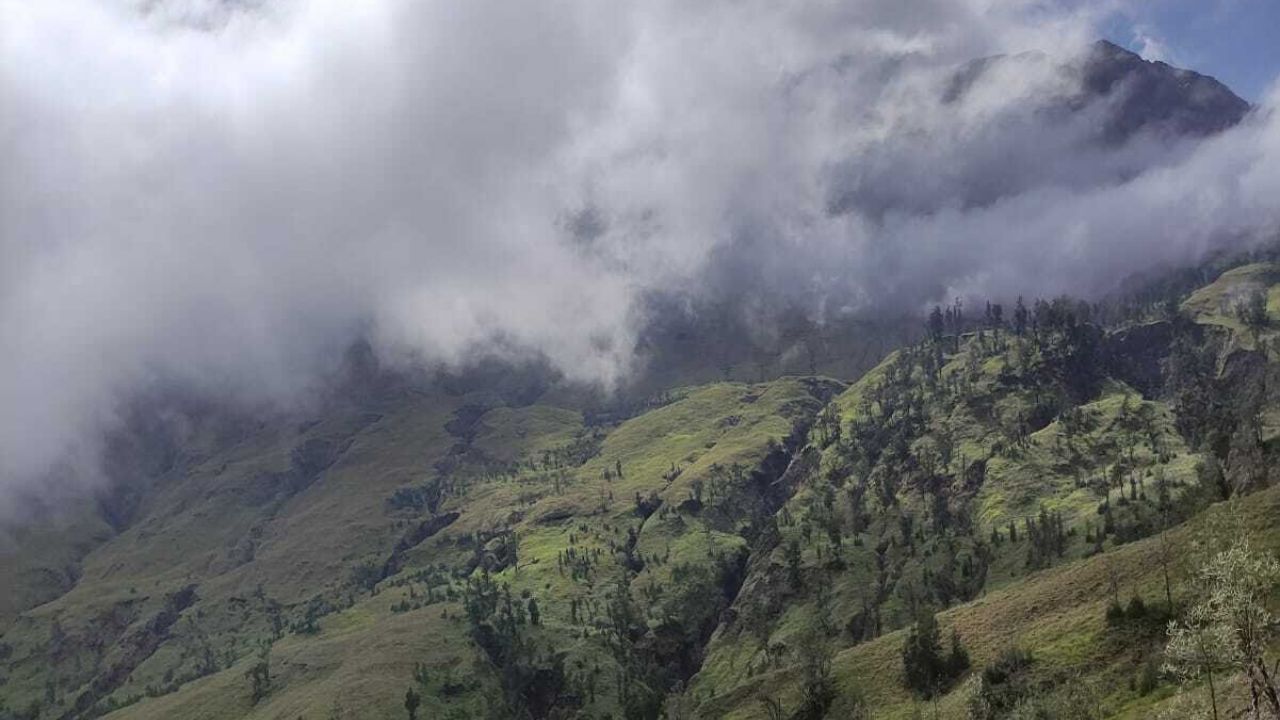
point(224, 195)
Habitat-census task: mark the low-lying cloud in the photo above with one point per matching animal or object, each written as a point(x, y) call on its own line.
point(225, 194)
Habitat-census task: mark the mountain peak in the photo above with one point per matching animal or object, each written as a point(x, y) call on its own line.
point(1153, 95)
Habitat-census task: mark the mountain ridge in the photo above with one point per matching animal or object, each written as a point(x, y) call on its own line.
point(737, 535)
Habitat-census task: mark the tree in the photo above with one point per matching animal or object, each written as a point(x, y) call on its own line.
point(935, 326)
point(1165, 555)
point(791, 553)
point(818, 689)
point(1230, 626)
point(1252, 311)
point(259, 675)
point(1001, 686)
point(958, 657)
point(922, 656)
point(926, 671)
point(411, 702)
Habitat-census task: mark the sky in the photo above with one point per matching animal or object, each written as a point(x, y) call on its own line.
point(223, 195)
point(1236, 41)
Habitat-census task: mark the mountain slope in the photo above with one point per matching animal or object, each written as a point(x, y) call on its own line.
point(518, 552)
point(1009, 473)
point(260, 541)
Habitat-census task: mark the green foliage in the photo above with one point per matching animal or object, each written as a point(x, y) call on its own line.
point(1252, 311)
point(817, 687)
point(259, 675)
point(729, 550)
point(1002, 686)
point(366, 575)
point(411, 702)
point(926, 670)
point(1230, 626)
point(1136, 619)
point(533, 680)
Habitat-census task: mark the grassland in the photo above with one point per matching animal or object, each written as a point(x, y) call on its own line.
point(1059, 613)
point(262, 550)
point(726, 521)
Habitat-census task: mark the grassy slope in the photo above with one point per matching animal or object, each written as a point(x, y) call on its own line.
point(35, 557)
point(715, 425)
point(228, 529)
point(217, 529)
point(243, 552)
point(1215, 303)
point(1059, 613)
point(1044, 472)
point(1213, 306)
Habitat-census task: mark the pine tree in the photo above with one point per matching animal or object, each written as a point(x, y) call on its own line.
point(922, 661)
point(411, 702)
point(259, 675)
point(926, 670)
point(958, 657)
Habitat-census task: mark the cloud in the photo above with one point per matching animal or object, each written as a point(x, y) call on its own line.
point(225, 194)
point(1150, 45)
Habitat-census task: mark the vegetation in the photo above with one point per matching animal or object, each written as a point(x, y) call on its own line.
point(1229, 627)
point(926, 669)
point(1044, 508)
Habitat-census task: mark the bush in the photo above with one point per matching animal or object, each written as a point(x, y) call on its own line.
point(1137, 617)
point(1002, 686)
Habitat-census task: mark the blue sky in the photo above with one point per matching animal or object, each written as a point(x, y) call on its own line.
point(1236, 41)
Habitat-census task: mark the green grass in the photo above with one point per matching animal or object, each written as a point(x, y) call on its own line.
point(215, 523)
point(1059, 614)
point(1215, 303)
point(1050, 469)
point(1046, 473)
point(357, 667)
point(213, 529)
point(508, 434)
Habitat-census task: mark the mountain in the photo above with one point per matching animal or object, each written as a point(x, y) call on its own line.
point(1154, 96)
point(495, 546)
point(1137, 95)
point(996, 517)
point(1010, 125)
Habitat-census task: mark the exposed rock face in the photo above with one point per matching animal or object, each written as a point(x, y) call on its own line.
point(1009, 125)
point(1154, 96)
point(1137, 355)
point(1139, 95)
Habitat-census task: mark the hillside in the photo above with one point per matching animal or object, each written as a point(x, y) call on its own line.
point(1012, 476)
point(431, 360)
point(332, 539)
point(502, 546)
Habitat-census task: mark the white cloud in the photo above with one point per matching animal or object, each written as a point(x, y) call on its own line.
point(225, 194)
point(1151, 46)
